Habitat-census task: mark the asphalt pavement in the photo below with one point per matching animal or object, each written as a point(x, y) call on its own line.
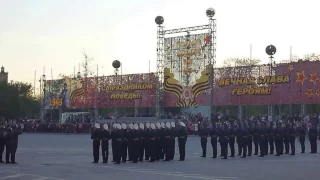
point(69, 157)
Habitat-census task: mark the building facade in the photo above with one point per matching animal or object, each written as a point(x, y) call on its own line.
point(3, 76)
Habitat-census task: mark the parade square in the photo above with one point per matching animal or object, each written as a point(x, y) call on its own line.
point(69, 157)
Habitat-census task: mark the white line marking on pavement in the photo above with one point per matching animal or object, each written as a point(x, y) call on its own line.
point(12, 176)
point(41, 178)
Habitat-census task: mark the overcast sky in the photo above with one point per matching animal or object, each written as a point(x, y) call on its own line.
point(54, 33)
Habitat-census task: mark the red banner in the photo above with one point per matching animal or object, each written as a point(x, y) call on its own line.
point(135, 90)
point(294, 83)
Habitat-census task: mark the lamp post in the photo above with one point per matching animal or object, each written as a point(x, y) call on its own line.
point(271, 50)
point(42, 90)
point(116, 65)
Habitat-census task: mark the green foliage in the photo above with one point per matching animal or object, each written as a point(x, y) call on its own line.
point(16, 101)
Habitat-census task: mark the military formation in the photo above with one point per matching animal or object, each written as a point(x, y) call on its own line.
point(9, 142)
point(256, 138)
point(137, 142)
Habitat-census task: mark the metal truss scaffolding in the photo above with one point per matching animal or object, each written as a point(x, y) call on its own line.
point(209, 58)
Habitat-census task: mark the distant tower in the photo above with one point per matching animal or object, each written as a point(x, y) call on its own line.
point(3, 76)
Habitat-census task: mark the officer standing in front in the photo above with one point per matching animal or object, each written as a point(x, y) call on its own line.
point(105, 136)
point(214, 140)
point(232, 139)
point(302, 137)
point(203, 133)
point(313, 139)
point(292, 139)
point(12, 143)
point(96, 137)
point(182, 139)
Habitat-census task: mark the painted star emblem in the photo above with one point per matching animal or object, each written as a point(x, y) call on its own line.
point(301, 77)
point(317, 92)
point(314, 78)
point(309, 92)
point(291, 67)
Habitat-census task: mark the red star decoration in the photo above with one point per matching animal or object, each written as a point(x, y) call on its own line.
point(309, 92)
point(317, 92)
point(291, 67)
point(314, 78)
point(301, 77)
point(207, 39)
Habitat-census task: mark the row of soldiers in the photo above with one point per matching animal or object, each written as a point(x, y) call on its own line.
point(137, 142)
point(9, 142)
point(272, 137)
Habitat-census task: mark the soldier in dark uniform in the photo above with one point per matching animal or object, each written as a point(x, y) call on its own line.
point(105, 136)
point(124, 143)
point(12, 143)
point(203, 133)
point(302, 137)
point(270, 136)
point(266, 138)
point(152, 143)
point(117, 137)
point(239, 140)
point(256, 139)
point(167, 142)
point(292, 138)
point(147, 142)
point(182, 139)
point(113, 142)
point(249, 142)
point(232, 139)
point(2, 141)
point(261, 139)
point(214, 140)
point(278, 139)
point(313, 139)
point(142, 142)
point(159, 139)
point(244, 139)
point(129, 137)
point(224, 140)
point(286, 138)
point(96, 137)
point(135, 144)
point(173, 134)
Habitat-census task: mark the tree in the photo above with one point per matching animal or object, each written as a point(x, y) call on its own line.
point(17, 100)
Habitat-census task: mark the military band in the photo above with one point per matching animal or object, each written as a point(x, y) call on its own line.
point(137, 142)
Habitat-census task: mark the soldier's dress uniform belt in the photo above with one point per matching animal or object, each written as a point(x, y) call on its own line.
point(167, 137)
point(135, 139)
point(105, 139)
point(96, 139)
point(245, 136)
point(292, 134)
point(152, 138)
point(204, 136)
point(214, 136)
point(182, 137)
point(119, 139)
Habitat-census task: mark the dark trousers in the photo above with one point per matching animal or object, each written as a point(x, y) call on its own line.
point(256, 145)
point(286, 145)
point(244, 146)
point(302, 144)
point(313, 144)
point(231, 145)
point(142, 148)
point(214, 147)
point(130, 150)
point(113, 146)
point(95, 150)
point(166, 149)
point(203, 142)
point(147, 149)
point(105, 150)
point(152, 150)
point(182, 147)
point(224, 147)
point(172, 148)
point(135, 150)
point(292, 142)
point(266, 145)
point(2, 146)
point(249, 145)
point(278, 144)
point(261, 145)
point(271, 144)
point(117, 151)
point(11, 149)
point(124, 150)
